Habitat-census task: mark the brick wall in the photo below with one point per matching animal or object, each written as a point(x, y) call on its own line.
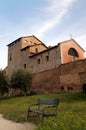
point(46, 82)
point(65, 78)
point(83, 77)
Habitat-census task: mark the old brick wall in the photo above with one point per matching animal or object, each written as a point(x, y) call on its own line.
point(83, 81)
point(83, 77)
point(46, 82)
point(70, 77)
point(65, 78)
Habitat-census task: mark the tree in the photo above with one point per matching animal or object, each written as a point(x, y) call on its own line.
point(3, 83)
point(21, 79)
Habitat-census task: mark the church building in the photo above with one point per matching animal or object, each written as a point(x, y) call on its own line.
point(60, 68)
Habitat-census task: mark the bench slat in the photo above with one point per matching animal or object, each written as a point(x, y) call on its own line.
point(41, 112)
point(49, 101)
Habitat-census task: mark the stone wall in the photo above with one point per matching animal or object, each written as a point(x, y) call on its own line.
point(14, 56)
point(46, 60)
point(19, 52)
point(65, 78)
point(83, 77)
point(46, 82)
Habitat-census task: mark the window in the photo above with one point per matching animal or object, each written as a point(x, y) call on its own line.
point(62, 88)
point(69, 88)
point(26, 40)
point(24, 66)
point(73, 52)
point(36, 50)
point(10, 57)
point(38, 61)
point(47, 58)
point(30, 42)
point(84, 88)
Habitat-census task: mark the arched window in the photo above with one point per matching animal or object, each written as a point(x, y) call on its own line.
point(73, 52)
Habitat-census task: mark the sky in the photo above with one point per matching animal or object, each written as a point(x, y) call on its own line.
point(52, 21)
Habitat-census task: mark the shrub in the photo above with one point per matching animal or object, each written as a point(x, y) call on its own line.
point(21, 79)
point(3, 83)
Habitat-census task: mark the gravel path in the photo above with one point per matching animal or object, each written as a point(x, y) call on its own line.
point(10, 125)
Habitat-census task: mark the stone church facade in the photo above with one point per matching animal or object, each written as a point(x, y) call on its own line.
point(56, 69)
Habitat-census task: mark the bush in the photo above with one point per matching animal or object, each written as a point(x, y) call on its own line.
point(3, 83)
point(21, 79)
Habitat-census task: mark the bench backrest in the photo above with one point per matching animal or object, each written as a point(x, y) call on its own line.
point(49, 101)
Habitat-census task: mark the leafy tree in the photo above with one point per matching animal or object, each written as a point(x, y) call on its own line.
point(21, 79)
point(3, 83)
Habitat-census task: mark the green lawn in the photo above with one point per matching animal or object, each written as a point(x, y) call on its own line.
point(71, 111)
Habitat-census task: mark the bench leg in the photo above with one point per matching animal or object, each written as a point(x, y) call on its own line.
point(28, 115)
point(42, 117)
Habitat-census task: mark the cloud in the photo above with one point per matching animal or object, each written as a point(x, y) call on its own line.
point(43, 20)
point(81, 39)
point(49, 24)
point(56, 6)
point(56, 11)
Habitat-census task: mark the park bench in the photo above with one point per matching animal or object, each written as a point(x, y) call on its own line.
point(45, 107)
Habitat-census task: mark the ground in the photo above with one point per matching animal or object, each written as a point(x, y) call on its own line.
point(10, 125)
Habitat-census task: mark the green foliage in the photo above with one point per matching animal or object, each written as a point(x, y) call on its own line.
point(3, 83)
point(21, 79)
point(68, 121)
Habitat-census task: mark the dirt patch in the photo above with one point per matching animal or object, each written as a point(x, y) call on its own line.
point(10, 125)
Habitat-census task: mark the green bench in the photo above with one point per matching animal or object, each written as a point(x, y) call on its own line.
point(44, 107)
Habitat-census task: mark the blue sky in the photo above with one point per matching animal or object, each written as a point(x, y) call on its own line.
point(52, 21)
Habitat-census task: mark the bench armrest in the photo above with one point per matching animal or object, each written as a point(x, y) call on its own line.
point(32, 105)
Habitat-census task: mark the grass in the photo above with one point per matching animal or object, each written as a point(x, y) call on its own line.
point(71, 111)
